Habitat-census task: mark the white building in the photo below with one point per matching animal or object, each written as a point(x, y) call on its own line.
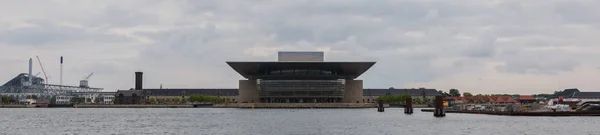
point(62, 99)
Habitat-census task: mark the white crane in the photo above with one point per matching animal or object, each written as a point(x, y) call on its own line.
point(84, 82)
point(40, 61)
point(88, 76)
point(37, 74)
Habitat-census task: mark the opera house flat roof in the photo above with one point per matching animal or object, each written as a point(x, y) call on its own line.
point(350, 69)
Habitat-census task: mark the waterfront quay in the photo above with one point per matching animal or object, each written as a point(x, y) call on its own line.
point(298, 105)
point(569, 113)
point(131, 106)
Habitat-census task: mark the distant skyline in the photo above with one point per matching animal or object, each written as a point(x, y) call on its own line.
point(501, 46)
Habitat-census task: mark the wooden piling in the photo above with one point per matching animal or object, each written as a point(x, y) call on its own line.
point(439, 107)
point(408, 108)
point(380, 107)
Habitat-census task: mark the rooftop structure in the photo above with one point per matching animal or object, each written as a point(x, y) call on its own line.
point(586, 95)
point(527, 99)
point(301, 56)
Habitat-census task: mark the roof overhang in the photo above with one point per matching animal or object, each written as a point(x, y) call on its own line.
point(349, 69)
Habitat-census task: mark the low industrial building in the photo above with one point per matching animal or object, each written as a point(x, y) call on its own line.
point(162, 96)
point(129, 97)
point(481, 100)
point(527, 99)
point(132, 96)
point(105, 98)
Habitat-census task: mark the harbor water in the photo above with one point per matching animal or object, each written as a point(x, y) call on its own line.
point(234, 121)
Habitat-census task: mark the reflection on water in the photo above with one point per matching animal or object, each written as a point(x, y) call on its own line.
point(278, 121)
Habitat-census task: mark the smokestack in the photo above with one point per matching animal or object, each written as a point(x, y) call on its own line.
point(30, 70)
point(61, 69)
point(138, 80)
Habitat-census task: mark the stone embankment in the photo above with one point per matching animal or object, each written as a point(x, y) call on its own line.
point(131, 106)
point(297, 105)
point(568, 113)
point(16, 106)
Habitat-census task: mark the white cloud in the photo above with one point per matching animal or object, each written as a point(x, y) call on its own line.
point(438, 44)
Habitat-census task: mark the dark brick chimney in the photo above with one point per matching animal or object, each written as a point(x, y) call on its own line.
point(138, 80)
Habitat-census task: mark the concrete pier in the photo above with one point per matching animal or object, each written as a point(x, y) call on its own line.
point(439, 107)
point(408, 108)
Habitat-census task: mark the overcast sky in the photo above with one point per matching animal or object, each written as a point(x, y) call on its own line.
point(480, 46)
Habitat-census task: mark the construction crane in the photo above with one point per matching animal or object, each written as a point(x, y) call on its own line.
point(37, 74)
point(84, 82)
point(88, 76)
point(40, 61)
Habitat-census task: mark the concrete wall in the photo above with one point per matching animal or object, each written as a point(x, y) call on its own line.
point(248, 91)
point(353, 92)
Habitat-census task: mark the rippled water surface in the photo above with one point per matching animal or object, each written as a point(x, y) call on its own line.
point(279, 121)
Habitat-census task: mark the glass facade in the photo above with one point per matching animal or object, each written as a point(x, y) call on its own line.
point(301, 90)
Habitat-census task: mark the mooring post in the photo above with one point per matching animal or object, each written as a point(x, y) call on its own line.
point(439, 107)
point(408, 108)
point(380, 106)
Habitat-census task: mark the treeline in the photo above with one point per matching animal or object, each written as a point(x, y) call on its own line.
point(205, 98)
point(394, 98)
point(456, 93)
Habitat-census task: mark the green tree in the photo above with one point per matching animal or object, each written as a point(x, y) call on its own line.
point(152, 101)
point(5, 99)
point(53, 100)
point(418, 101)
point(467, 94)
point(88, 100)
point(205, 98)
point(184, 100)
point(394, 98)
point(176, 100)
point(454, 93)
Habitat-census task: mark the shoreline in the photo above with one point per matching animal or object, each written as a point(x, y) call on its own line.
point(590, 113)
point(225, 105)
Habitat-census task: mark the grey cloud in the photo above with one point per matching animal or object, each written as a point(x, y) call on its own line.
point(115, 16)
point(50, 34)
point(536, 67)
point(405, 37)
point(537, 62)
point(578, 12)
